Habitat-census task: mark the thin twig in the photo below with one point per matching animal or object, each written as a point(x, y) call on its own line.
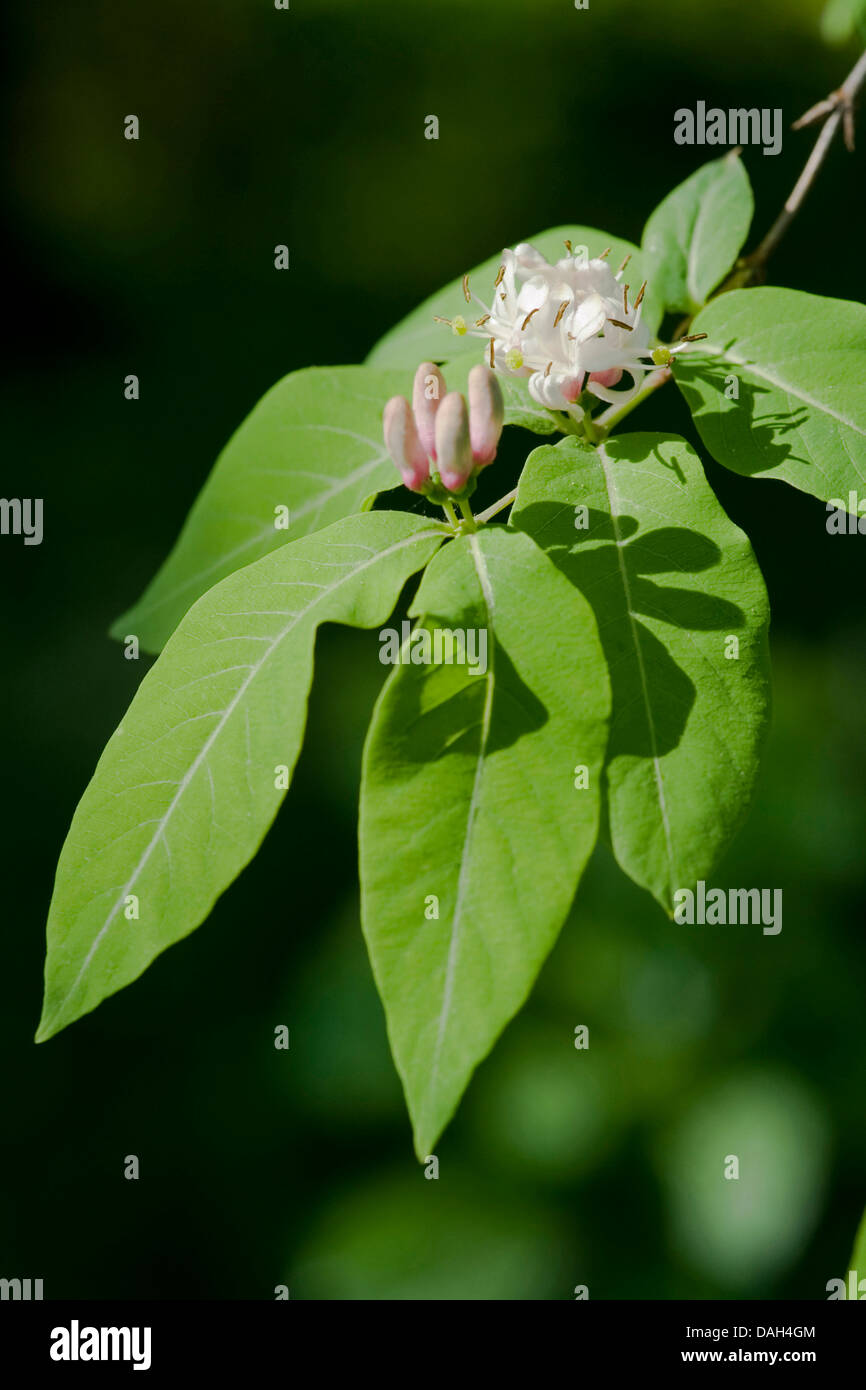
point(835, 110)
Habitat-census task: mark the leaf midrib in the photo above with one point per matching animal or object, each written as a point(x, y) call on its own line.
point(796, 391)
point(613, 503)
point(691, 263)
point(454, 942)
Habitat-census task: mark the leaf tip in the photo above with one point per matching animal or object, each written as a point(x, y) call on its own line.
point(424, 1135)
point(46, 1029)
point(118, 629)
point(53, 1019)
point(420, 1143)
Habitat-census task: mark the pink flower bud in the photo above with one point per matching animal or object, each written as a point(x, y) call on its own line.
point(486, 414)
point(453, 449)
point(609, 378)
point(427, 392)
point(403, 444)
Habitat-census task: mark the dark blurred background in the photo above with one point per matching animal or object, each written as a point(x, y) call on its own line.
point(259, 1167)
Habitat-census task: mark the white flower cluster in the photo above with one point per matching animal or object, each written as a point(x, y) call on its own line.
point(569, 327)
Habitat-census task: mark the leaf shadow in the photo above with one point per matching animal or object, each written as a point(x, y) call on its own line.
point(615, 579)
point(767, 446)
point(446, 712)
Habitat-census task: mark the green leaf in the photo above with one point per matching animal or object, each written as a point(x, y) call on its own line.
point(419, 337)
point(190, 781)
point(312, 444)
point(797, 363)
point(524, 412)
point(694, 236)
point(671, 581)
point(468, 798)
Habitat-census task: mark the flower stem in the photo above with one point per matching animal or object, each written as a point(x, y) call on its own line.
point(499, 506)
point(589, 428)
point(570, 424)
point(449, 511)
point(465, 508)
point(610, 418)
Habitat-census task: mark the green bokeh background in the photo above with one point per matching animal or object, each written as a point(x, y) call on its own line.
point(260, 1167)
